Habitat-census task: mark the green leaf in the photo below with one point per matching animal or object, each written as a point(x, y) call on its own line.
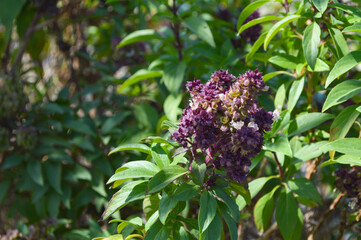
point(248, 10)
point(230, 202)
point(166, 204)
point(53, 203)
point(53, 171)
point(173, 76)
point(164, 177)
point(321, 5)
point(280, 97)
point(343, 122)
point(307, 121)
point(135, 169)
point(137, 36)
point(232, 227)
point(34, 170)
point(356, 27)
point(295, 93)
point(160, 156)
point(171, 108)
point(130, 192)
point(4, 186)
point(350, 146)
point(201, 28)
point(339, 41)
point(286, 210)
point(341, 93)
point(279, 144)
point(310, 42)
point(207, 211)
point(257, 21)
point(140, 75)
point(158, 231)
point(150, 205)
point(241, 190)
point(277, 27)
point(263, 211)
point(343, 65)
point(320, 66)
point(81, 173)
point(304, 188)
point(310, 151)
point(214, 231)
point(284, 61)
point(185, 192)
point(346, 8)
point(79, 126)
point(257, 44)
point(199, 169)
point(268, 76)
point(9, 10)
point(132, 146)
point(344, 159)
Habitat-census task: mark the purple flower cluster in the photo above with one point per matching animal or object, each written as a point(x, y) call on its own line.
point(349, 182)
point(252, 34)
point(223, 122)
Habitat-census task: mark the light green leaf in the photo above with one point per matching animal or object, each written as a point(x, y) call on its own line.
point(241, 190)
point(320, 66)
point(140, 75)
point(321, 5)
point(257, 44)
point(310, 42)
point(140, 35)
point(160, 156)
point(310, 151)
point(279, 144)
point(132, 146)
point(268, 76)
point(130, 192)
point(307, 121)
point(280, 97)
point(164, 177)
point(341, 93)
point(284, 61)
point(346, 8)
point(277, 27)
point(295, 93)
point(173, 76)
point(304, 188)
point(350, 146)
point(201, 28)
point(207, 211)
point(344, 159)
point(339, 41)
point(171, 108)
point(356, 27)
point(343, 122)
point(248, 10)
point(263, 211)
point(343, 65)
point(135, 169)
point(257, 21)
point(286, 210)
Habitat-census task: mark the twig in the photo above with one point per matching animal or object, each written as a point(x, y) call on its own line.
point(311, 168)
point(323, 218)
point(175, 27)
point(26, 39)
point(187, 229)
point(279, 166)
point(266, 235)
point(342, 225)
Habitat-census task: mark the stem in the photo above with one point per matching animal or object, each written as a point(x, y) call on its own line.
point(175, 28)
point(279, 166)
point(263, 166)
point(323, 218)
point(186, 228)
point(311, 169)
point(342, 225)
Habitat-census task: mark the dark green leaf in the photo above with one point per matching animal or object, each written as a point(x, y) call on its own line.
point(214, 231)
point(232, 227)
point(284, 61)
point(241, 190)
point(53, 171)
point(310, 42)
point(207, 211)
point(341, 93)
point(304, 188)
point(164, 177)
point(53, 203)
point(286, 210)
point(295, 93)
point(343, 65)
point(346, 8)
point(157, 231)
point(185, 192)
point(307, 121)
point(199, 169)
point(160, 156)
point(339, 41)
point(133, 146)
point(263, 211)
point(173, 76)
point(4, 186)
point(79, 126)
point(34, 170)
point(343, 122)
point(230, 202)
point(201, 28)
point(166, 204)
point(140, 35)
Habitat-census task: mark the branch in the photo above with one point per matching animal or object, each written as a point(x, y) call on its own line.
point(311, 168)
point(323, 218)
point(175, 27)
point(266, 235)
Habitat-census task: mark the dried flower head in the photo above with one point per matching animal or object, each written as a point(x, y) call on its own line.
point(224, 122)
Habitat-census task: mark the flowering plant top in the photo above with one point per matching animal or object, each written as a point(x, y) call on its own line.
point(223, 123)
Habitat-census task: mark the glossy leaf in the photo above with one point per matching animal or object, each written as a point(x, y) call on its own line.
point(350, 146)
point(137, 36)
point(284, 61)
point(133, 146)
point(207, 211)
point(164, 177)
point(307, 121)
point(263, 211)
point(160, 156)
point(268, 76)
point(344, 159)
point(279, 144)
point(343, 65)
point(304, 188)
point(343, 122)
point(230, 202)
point(310, 42)
point(356, 27)
point(346, 8)
point(248, 10)
point(158, 231)
point(257, 44)
point(277, 27)
point(173, 76)
point(257, 21)
point(135, 169)
point(166, 204)
point(310, 151)
point(232, 227)
point(341, 93)
point(286, 210)
point(185, 192)
point(339, 41)
point(320, 66)
point(321, 5)
point(295, 93)
point(140, 75)
point(130, 192)
point(201, 28)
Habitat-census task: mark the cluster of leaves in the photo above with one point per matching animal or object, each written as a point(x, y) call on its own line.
point(309, 54)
